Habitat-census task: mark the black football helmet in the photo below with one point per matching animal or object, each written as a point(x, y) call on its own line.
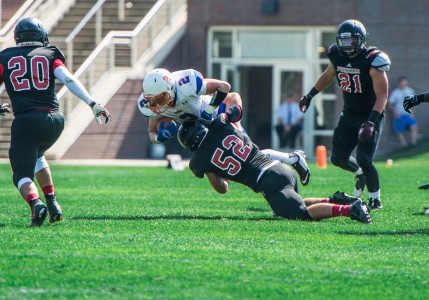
point(351, 37)
point(191, 134)
point(30, 30)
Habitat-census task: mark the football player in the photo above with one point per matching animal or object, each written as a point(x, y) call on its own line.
point(222, 153)
point(186, 95)
point(361, 74)
point(29, 71)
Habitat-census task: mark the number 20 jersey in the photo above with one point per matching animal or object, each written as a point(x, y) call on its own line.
point(28, 74)
point(230, 154)
point(189, 102)
point(354, 79)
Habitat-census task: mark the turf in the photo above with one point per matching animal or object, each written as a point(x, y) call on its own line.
point(153, 233)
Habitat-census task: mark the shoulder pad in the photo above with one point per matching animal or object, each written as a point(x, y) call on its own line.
point(58, 53)
point(381, 62)
point(333, 48)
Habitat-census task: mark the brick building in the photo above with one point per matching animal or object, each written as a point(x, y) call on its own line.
point(265, 47)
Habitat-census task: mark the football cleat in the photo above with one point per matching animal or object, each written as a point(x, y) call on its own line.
point(375, 203)
point(38, 213)
point(342, 198)
point(301, 166)
point(54, 209)
point(359, 186)
point(360, 212)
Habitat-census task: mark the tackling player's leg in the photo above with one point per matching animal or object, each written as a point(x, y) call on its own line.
point(44, 178)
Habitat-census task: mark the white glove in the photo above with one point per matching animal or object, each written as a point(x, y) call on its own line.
point(4, 109)
point(98, 111)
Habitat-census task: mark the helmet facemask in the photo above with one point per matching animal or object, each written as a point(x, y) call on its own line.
point(159, 103)
point(349, 45)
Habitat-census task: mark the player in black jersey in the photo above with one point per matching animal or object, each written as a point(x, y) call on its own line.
point(222, 152)
point(361, 74)
point(28, 72)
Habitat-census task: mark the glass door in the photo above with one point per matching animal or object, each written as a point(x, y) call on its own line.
point(292, 81)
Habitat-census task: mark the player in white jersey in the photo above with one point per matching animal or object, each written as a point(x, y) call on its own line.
point(186, 95)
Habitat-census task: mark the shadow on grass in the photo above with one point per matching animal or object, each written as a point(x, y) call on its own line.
point(181, 217)
point(394, 232)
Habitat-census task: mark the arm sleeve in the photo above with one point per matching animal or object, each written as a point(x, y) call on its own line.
point(72, 83)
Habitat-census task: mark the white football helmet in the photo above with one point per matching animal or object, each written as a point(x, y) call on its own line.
point(159, 89)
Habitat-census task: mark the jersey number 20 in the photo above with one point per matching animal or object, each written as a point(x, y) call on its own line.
point(38, 66)
point(231, 163)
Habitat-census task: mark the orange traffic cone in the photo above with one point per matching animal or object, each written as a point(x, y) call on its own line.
point(321, 157)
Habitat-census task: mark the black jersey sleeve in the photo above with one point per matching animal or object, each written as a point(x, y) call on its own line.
point(57, 53)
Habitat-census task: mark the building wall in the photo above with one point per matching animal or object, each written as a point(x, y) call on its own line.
point(400, 28)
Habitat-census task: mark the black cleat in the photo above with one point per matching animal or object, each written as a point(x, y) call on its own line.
point(359, 212)
point(360, 185)
point(54, 209)
point(375, 203)
point(301, 167)
point(342, 198)
point(38, 213)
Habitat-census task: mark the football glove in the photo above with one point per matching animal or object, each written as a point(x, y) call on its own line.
point(234, 113)
point(206, 117)
point(304, 103)
point(4, 109)
point(411, 101)
point(98, 111)
point(167, 132)
point(366, 130)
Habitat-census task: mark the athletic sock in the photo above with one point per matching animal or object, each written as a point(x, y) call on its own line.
point(48, 191)
point(32, 197)
point(359, 171)
point(340, 210)
point(375, 195)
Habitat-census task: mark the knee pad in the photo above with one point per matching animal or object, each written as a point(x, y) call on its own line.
point(41, 163)
point(22, 181)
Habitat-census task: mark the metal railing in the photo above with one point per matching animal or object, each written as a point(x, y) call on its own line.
point(102, 60)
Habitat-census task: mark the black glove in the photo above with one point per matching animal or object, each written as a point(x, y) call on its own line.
point(411, 101)
point(234, 113)
point(304, 103)
point(366, 130)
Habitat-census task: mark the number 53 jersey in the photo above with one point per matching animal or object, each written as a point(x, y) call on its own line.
point(28, 74)
point(190, 99)
point(230, 154)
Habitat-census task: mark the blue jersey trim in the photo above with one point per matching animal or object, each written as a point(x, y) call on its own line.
point(199, 79)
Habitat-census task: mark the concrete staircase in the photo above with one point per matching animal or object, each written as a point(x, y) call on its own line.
point(85, 42)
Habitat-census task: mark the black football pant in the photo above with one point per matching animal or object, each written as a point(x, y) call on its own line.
point(346, 139)
point(279, 187)
point(33, 132)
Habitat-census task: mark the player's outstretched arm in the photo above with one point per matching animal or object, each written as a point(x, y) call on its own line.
point(414, 100)
point(77, 88)
point(218, 183)
point(4, 109)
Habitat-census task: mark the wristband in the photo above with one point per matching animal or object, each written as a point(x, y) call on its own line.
point(373, 116)
point(420, 98)
point(218, 98)
point(313, 92)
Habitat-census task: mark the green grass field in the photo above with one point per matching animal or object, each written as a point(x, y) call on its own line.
point(153, 233)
